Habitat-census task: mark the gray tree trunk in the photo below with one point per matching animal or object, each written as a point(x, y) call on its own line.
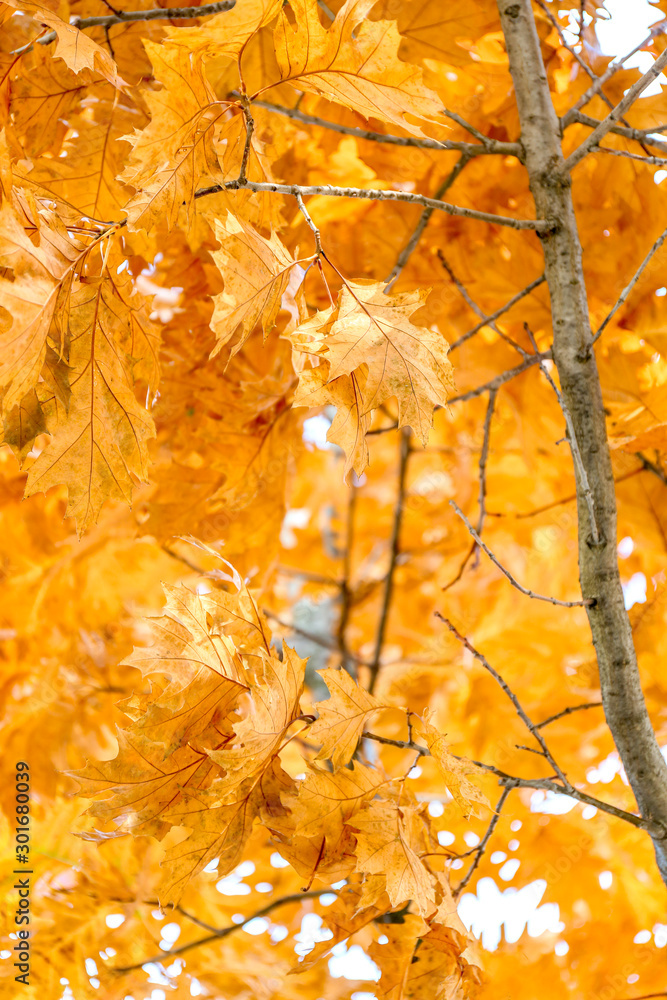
point(622, 696)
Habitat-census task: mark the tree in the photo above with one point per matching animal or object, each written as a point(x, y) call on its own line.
point(332, 357)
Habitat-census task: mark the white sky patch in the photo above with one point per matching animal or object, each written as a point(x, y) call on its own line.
point(315, 431)
point(311, 933)
point(232, 884)
point(551, 803)
point(634, 591)
point(296, 517)
point(256, 926)
point(509, 869)
point(352, 963)
point(493, 912)
point(605, 879)
point(625, 547)
point(629, 25)
point(606, 770)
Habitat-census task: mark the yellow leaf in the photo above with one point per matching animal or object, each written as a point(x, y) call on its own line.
point(256, 273)
point(369, 337)
point(342, 718)
point(173, 156)
point(388, 842)
point(101, 444)
point(454, 770)
point(354, 62)
point(77, 49)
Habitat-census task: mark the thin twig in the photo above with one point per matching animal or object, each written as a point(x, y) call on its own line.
point(483, 459)
point(404, 454)
point(610, 71)
point(311, 225)
point(650, 161)
point(631, 284)
point(573, 52)
point(249, 129)
point(318, 640)
point(484, 454)
point(410, 246)
point(569, 711)
point(486, 320)
point(345, 590)
point(223, 932)
point(157, 14)
point(328, 190)
point(506, 376)
point(520, 710)
point(499, 312)
point(544, 784)
point(490, 147)
point(586, 602)
point(474, 132)
point(635, 134)
point(652, 467)
point(481, 847)
point(617, 113)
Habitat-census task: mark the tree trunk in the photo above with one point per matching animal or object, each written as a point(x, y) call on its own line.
point(622, 696)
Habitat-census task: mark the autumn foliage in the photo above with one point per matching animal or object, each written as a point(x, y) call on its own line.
point(295, 499)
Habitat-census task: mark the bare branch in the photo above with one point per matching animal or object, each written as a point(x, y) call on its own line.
point(223, 932)
point(617, 113)
point(490, 146)
point(249, 129)
point(569, 711)
point(481, 847)
point(636, 134)
point(521, 712)
point(311, 636)
point(483, 459)
point(538, 225)
point(541, 132)
point(506, 376)
point(410, 246)
point(545, 784)
point(631, 284)
point(610, 71)
point(404, 455)
point(499, 312)
point(311, 225)
point(652, 467)
point(573, 52)
point(585, 602)
point(345, 590)
point(486, 320)
point(649, 161)
point(156, 14)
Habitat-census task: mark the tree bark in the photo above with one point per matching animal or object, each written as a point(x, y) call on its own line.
point(622, 696)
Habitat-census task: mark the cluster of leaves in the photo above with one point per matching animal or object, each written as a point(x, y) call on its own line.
point(212, 229)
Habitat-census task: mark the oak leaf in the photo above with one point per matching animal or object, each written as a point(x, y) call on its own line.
point(78, 50)
point(389, 842)
point(256, 272)
point(454, 770)
point(273, 705)
point(100, 447)
point(342, 718)
point(368, 332)
point(173, 155)
point(354, 62)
